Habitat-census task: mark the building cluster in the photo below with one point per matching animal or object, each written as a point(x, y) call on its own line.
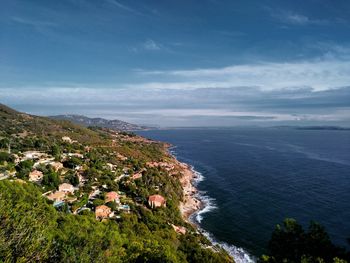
point(66, 194)
point(165, 165)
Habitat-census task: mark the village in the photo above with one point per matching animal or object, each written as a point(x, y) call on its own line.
point(95, 194)
point(76, 192)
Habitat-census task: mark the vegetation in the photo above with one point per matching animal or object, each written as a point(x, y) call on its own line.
point(95, 161)
point(290, 243)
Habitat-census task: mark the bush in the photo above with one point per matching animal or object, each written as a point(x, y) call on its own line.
point(5, 157)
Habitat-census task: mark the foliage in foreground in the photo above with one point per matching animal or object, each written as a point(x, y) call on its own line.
point(32, 230)
point(290, 243)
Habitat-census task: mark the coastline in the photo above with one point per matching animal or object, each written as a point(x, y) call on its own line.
point(194, 204)
point(191, 204)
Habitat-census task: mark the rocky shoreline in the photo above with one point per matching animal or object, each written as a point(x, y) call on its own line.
point(190, 203)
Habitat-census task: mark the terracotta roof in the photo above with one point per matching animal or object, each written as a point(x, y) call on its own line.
point(35, 175)
point(156, 198)
point(111, 196)
point(102, 211)
point(58, 195)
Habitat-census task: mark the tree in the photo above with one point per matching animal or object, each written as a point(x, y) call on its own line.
point(24, 168)
point(5, 157)
point(4, 143)
point(112, 205)
point(290, 243)
point(51, 180)
point(72, 162)
point(27, 224)
point(98, 202)
point(72, 178)
point(56, 151)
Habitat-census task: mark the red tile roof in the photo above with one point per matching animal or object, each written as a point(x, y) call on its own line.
point(111, 196)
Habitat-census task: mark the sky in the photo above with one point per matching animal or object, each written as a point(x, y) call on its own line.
point(179, 63)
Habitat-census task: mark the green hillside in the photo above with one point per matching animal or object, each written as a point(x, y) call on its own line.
point(55, 176)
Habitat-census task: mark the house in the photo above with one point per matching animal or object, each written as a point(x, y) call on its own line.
point(137, 176)
point(112, 197)
point(66, 139)
point(156, 201)
point(94, 193)
point(35, 176)
point(87, 148)
point(66, 188)
point(103, 211)
point(78, 155)
point(167, 166)
point(121, 157)
point(43, 161)
point(57, 196)
point(111, 166)
point(30, 155)
point(179, 229)
point(56, 166)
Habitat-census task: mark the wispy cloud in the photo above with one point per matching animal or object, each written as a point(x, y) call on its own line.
point(151, 45)
point(148, 45)
point(124, 7)
point(33, 23)
point(331, 50)
point(318, 75)
point(188, 107)
point(294, 18)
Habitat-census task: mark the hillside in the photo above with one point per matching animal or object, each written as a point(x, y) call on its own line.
point(100, 122)
point(76, 194)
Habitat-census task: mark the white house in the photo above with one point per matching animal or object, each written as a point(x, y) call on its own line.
point(66, 188)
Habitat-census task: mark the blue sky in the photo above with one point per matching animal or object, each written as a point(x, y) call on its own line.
point(179, 63)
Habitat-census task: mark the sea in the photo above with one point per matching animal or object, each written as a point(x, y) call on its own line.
point(251, 179)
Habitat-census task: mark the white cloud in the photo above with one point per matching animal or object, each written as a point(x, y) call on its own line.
point(319, 75)
point(306, 91)
point(151, 45)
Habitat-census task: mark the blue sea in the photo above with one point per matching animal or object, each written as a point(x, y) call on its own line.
point(253, 178)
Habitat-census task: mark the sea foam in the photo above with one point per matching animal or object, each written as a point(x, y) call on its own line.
point(239, 254)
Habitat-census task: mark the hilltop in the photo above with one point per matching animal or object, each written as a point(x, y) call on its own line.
point(100, 122)
point(76, 194)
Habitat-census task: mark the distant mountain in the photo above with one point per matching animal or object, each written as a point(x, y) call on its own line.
point(100, 122)
point(328, 128)
point(333, 128)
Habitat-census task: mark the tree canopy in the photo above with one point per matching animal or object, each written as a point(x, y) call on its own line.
point(291, 243)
